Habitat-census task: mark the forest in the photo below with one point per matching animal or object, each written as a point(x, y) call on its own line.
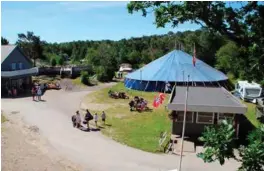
point(236, 50)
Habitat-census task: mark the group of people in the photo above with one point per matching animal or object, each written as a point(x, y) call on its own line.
point(117, 95)
point(36, 92)
point(138, 103)
point(77, 120)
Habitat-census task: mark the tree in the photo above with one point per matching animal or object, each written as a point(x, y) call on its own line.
point(228, 59)
point(53, 62)
point(31, 45)
point(60, 60)
point(4, 41)
point(253, 155)
point(243, 25)
point(219, 145)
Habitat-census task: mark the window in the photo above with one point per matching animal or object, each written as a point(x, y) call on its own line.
point(205, 118)
point(225, 116)
point(253, 92)
point(180, 115)
point(13, 66)
point(20, 65)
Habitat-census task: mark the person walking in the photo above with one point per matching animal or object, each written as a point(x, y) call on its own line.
point(103, 117)
point(78, 119)
point(88, 117)
point(33, 92)
point(95, 119)
point(39, 93)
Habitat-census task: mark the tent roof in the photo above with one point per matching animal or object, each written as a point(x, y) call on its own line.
point(206, 99)
point(170, 68)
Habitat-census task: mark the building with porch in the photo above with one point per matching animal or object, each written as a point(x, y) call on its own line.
point(205, 106)
point(16, 70)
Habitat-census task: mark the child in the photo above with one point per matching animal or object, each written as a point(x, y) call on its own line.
point(95, 119)
point(103, 117)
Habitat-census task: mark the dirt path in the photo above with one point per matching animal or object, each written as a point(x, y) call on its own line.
point(92, 150)
point(24, 149)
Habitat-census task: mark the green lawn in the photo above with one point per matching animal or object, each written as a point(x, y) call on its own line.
point(139, 130)
point(251, 114)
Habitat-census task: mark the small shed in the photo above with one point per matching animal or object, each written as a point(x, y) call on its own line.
point(205, 106)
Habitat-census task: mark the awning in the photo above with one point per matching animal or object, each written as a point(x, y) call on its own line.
point(19, 73)
point(206, 99)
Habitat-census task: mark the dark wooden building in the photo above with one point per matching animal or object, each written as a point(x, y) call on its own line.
point(205, 106)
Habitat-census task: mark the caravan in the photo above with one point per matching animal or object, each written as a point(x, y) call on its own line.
point(248, 91)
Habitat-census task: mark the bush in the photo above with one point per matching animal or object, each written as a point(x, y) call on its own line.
point(104, 74)
point(53, 62)
point(60, 61)
point(85, 78)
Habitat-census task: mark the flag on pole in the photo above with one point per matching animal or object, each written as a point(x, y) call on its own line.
point(194, 56)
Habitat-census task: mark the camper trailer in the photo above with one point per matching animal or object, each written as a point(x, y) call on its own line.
point(248, 91)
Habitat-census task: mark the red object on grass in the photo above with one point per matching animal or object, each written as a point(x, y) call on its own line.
point(158, 100)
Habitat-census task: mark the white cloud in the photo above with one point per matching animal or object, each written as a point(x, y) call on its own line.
point(83, 6)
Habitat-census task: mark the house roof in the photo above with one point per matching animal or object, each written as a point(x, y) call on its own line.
point(6, 50)
point(206, 99)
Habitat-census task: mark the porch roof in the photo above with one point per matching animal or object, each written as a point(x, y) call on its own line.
point(19, 73)
point(206, 99)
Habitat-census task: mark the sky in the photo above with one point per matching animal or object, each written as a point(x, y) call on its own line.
point(72, 21)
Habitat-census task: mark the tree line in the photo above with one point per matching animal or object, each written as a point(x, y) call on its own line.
point(231, 39)
point(105, 56)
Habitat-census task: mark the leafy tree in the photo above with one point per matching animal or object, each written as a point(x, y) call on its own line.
point(4, 41)
point(253, 155)
point(61, 60)
point(243, 25)
point(53, 62)
point(31, 45)
point(228, 59)
point(219, 145)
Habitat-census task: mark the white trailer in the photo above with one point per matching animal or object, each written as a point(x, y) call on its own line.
point(248, 91)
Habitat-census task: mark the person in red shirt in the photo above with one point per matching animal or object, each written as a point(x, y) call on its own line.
point(33, 91)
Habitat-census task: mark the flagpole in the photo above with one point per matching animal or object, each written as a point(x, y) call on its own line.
point(184, 122)
point(141, 81)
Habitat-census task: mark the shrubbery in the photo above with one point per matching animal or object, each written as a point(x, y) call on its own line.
point(53, 62)
point(85, 78)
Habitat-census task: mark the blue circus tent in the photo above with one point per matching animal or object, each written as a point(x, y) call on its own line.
point(172, 67)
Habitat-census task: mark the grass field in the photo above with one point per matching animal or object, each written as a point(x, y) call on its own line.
point(139, 130)
point(251, 114)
